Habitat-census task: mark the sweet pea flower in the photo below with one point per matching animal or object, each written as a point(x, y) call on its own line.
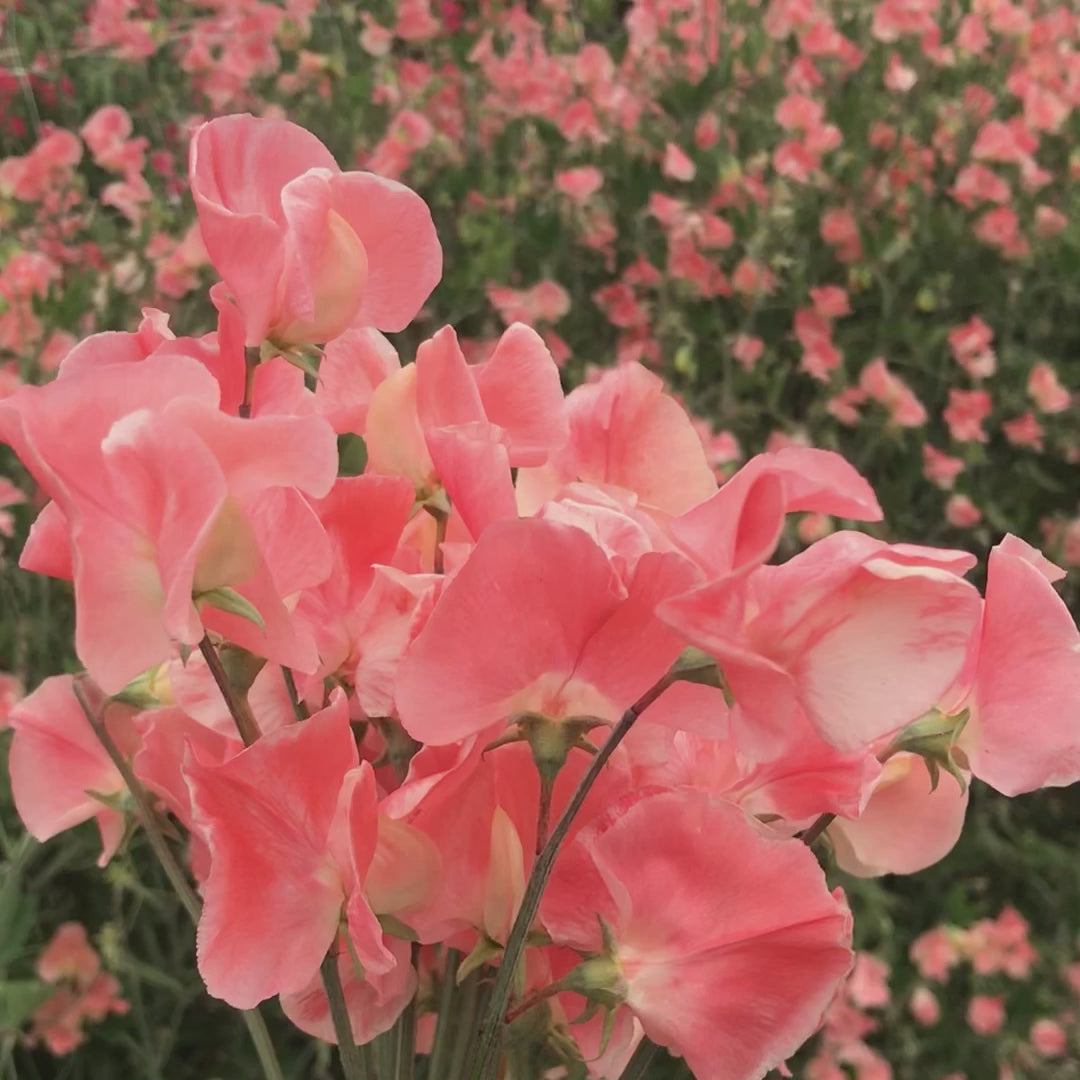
point(1024, 695)
point(905, 826)
point(305, 249)
point(61, 775)
point(725, 941)
point(164, 498)
point(986, 1014)
point(832, 658)
point(504, 642)
point(291, 826)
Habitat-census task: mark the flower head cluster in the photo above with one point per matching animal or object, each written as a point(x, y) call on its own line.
point(371, 699)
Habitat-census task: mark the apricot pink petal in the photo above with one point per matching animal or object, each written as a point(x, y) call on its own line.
point(446, 393)
point(905, 826)
point(404, 257)
point(374, 1001)
point(863, 641)
point(633, 648)
point(56, 761)
point(363, 517)
point(48, 546)
point(325, 267)
point(274, 895)
point(521, 394)
point(522, 608)
point(266, 451)
point(165, 735)
point(817, 481)
point(57, 429)
point(625, 431)
point(474, 468)
point(879, 653)
point(238, 168)
point(736, 529)
point(353, 364)
point(1024, 732)
point(729, 941)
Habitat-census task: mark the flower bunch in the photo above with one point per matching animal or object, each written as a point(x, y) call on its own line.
point(512, 743)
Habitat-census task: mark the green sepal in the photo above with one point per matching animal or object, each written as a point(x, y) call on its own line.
point(396, 928)
point(229, 600)
point(484, 951)
point(241, 666)
point(933, 737)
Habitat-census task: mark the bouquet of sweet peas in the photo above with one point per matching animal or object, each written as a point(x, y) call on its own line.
point(508, 754)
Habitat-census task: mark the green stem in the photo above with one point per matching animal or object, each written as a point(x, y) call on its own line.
point(251, 362)
point(444, 1029)
point(638, 1065)
point(353, 1063)
point(237, 704)
point(405, 1037)
point(143, 810)
point(300, 710)
point(463, 1035)
point(486, 1059)
point(260, 1036)
point(808, 836)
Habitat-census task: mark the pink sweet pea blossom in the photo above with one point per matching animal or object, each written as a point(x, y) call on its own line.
point(1048, 1038)
point(924, 1006)
point(728, 945)
point(965, 414)
point(503, 641)
point(1045, 390)
point(305, 249)
point(986, 1014)
point(83, 992)
point(291, 827)
point(905, 827)
point(626, 434)
point(1025, 693)
point(165, 498)
point(826, 660)
point(61, 775)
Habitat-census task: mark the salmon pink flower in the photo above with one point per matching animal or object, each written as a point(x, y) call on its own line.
point(291, 825)
point(626, 433)
point(1048, 1038)
point(503, 642)
point(305, 249)
point(1046, 391)
point(166, 498)
point(1024, 699)
point(905, 827)
point(965, 414)
point(61, 775)
point(986, 1014)
point(961, 512)
point(924, 1006)
point(724, 940)
point(876, 636)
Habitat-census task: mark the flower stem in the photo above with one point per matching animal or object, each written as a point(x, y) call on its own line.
point(445, 1025)
point(638, 1065)
point(486, 1058)
point(237, 704)
point(808, 836)
point(405, 1037)
point(253, 1020)
point(353, 1063)
point(251, 362)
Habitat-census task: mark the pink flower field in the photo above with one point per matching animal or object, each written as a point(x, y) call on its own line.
point(536, 539)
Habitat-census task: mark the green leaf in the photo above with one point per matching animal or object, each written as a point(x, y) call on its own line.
point(226, 599)
point(19, 999)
